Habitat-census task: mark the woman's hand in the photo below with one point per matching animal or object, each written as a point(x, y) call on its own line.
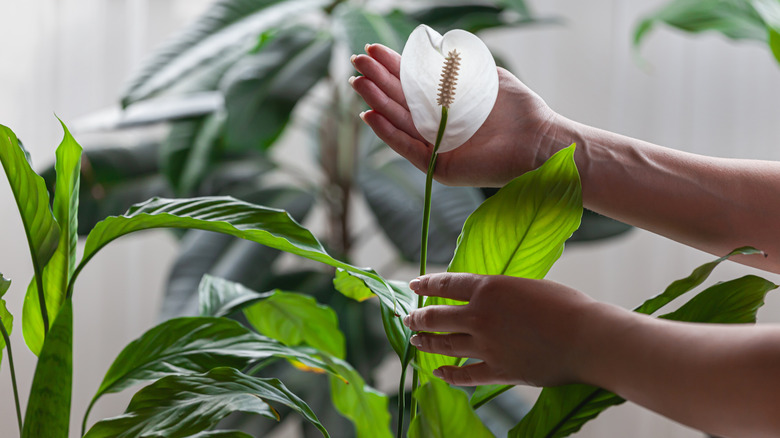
point(518, 135)
point(527, 332)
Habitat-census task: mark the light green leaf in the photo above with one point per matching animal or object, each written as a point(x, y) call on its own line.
point(48, 409)
point(5, 316)
point(183, 405)
point(295, 319)
point(364, 406)
point(445, 412)
point(220, 297)
point(519, 231)
point(563, 410)
point(262, 89)
point(198, 56)
point(267, 226)
point(351, 286)
point(195, 344)
point(59, 270)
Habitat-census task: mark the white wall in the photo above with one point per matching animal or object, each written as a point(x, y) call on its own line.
point(703, 95)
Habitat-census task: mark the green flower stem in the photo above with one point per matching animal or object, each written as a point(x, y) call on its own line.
point(401, 403)
point(13, 375)
point(424, 241)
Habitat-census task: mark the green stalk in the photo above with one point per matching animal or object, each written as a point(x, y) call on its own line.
point(13, 375)
point(424, 241)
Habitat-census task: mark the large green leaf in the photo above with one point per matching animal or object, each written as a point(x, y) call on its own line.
point(183, 405)
point(189, 151)
point(445, 412)
point(220, 297)
point(295, 319)
point(485, 393)
point(196, 58)
point(263, 88)
point(563, 410)
point(32, 199)
point(357, 26)
point(519, 231)
point(5, 316)
point(267, 226)
point(195, 344)
point(736, 19)
point(59, 270)
point(221, 434)
point(48, 409)
point(394, 192)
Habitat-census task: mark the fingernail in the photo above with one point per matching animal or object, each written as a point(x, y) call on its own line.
point(437, 373)
point(352, 79)
point(366, 48)
point(414, 284)
point(352, 59)
point(415, 340)
point(407, 320)
point(363, 116)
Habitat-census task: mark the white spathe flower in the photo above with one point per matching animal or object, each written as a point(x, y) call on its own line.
point(423, 60)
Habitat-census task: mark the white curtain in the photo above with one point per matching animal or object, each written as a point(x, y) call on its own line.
point(699, 94)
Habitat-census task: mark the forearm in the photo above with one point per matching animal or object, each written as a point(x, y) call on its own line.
point(723, 379)
point(712, 204)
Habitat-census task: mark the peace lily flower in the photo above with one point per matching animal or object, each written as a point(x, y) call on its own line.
point(455, 73)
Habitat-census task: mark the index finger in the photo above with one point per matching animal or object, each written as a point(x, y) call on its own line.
point(455, 286)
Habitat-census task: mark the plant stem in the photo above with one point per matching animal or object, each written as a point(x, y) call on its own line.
point(13, 375)
point(401, 403)
point(424, 241)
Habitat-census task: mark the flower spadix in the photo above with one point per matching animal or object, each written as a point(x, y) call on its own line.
point(456, 71)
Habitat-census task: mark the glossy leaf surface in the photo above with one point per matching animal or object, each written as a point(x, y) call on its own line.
point(445, 412)
point(60, 267)
point(48, 409)
point(183, 405)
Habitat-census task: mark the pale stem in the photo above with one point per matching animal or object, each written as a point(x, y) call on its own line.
point(13, 375)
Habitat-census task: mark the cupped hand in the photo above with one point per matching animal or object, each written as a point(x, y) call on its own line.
point(526, 332)
point(518, 135)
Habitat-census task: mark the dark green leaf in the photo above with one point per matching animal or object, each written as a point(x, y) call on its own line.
point(270, 227)
point(263, 88)
point(445, 412)
point(5, 316)
point(697, 277)
point(189, 151)
point(183, 405)
point(736, 19)
point(59, 270)
point(395, 193)
point(485, 393)
point(196, 58)
point(358, 26)
point(48, 409)
point(221, 434)
point(220, 297)
point(295, 319)
point(597, 227)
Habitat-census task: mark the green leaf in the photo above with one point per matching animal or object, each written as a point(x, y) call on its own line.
point(358, 26)
point(351, 286)
point(221, 434)
point(519, 231)
point(769, 10)
point(197, 57)
point(5, 316)
point(445, 412)
point(597, 227)
point(364, 406)
point(48, 409)
point(736, 19)
point(189, 151)
point(263, 88)
point(220, 297)
point(697, 277)
point(267, 226)
point(484, 393)
point(563, 410)
point(394, 194)
point(60, 267)
point(295, 319)
point(183, 405)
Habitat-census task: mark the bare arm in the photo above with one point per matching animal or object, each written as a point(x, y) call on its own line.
point(723, 379)
point(712, 204)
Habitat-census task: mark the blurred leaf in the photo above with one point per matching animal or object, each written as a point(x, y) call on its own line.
point(736, 19)
point(197, 58)
point(357, 26)
point(5, 316)
point(182, 405)
point(48, 409)
point(445, 412)
point(769, 10)
point(395, 192)
point(597, 227)
point(295, 319)
point(697, 277)
point(220, 297)
point(194, 344)
point(189, 151)
point(563, 410)
point(263, 88)
point(221, 434)
point(58, 271)
point(484, 393)
point(227, 257)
